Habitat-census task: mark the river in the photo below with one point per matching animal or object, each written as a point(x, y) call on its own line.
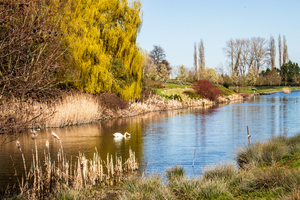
point(169, 138)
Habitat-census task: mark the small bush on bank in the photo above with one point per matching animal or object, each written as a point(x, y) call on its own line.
point(192, 95)
point(226, 85)
point(145, 94)
point(172, 96)
point(112, 101)
point(206, 90)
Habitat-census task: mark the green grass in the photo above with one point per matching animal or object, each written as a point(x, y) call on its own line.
point(249, 90)
point(185, 92)
point(274, 173)
point(171, 86)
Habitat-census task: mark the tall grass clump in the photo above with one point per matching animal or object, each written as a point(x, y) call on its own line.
point(175, 173)
point(145, 188)
point(206, 90)
point(187, 188)
point(267, 153)
point(270, 179)
point(220, 171)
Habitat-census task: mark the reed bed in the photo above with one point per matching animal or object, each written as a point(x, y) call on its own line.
point(75, 108)
point(61, 174)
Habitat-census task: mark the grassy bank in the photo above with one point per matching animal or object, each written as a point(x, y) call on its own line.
point(265, 89)
point(268, 170)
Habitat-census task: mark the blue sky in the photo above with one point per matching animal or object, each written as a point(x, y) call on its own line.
point(176, 25)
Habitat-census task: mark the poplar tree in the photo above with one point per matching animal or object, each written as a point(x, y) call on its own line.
point(285, 56)
point(272, 52)
point(102, 51)
point(201, 55)
point(195, 61)
point(279, 50)
point(201, 60)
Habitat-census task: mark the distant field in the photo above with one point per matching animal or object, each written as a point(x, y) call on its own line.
point(249, 90)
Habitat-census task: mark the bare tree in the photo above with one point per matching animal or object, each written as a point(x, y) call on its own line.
point(29, 64)
point(246, 58)
point(195, 61)
point(279, 50)
point(244, 53)
point(237, 55)
point(259, 52)
point(229, 51)
point(157, 55)
point(285, 56)
point(272, 52)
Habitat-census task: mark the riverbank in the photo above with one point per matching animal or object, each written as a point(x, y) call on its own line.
point(265, 89)
point(264, 170)
point(82, 108)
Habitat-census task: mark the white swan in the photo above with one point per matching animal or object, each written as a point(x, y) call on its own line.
point(120, 135)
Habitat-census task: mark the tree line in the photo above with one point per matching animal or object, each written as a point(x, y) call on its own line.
point(254, 53)
point(50, 46)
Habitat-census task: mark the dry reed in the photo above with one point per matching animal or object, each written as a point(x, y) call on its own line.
point(60, 174)
point(286, 90)
point(75, 109)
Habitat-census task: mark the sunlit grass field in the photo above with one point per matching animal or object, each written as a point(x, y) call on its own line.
point(248, 89)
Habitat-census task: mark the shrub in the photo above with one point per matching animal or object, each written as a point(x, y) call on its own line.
point(206, 90)
point(145, 94)
point(172, 96)
point(192, 95)
point(112, 101)
point(226, 85)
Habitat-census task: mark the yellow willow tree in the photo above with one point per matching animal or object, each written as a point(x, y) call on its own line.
point(102, 49)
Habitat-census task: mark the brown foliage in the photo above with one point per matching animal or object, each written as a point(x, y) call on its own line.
point(206, 90)
point(29, 64)
point(112, 101)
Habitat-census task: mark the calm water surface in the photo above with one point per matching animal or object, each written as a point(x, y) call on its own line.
point(165, 139)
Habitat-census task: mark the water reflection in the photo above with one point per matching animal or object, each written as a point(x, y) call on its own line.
point(165, 139)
